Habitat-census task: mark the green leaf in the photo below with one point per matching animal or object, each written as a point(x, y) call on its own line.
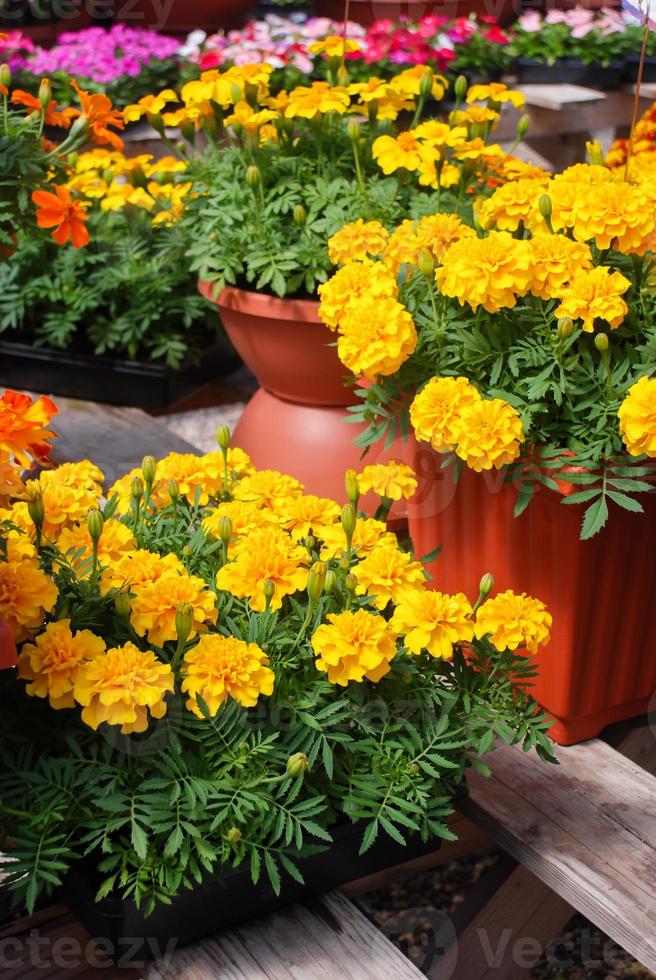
point(594, 519)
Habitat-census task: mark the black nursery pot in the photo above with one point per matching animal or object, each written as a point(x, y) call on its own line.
point(230, 898)
point(108, 379)
point(570, 71)
point(631, 69)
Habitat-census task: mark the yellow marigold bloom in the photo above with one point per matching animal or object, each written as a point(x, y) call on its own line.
point(121, 687)
point(309, 514)
point(490, 272)
point(511, 168)
point(392, 153)
point(354, 281)
point(239, 465)
point(334, 46)
point(409, 81)
point(149, 105)
point(637, 415)
point(26, 595)
point(495, 92)
point(435, 411)
point(268, 488)
point(18, 546)
point(64, 503)
point(357, 241)
point(377, 336)
point(136, 567)
point(372, 90)
point(266, 553)
point(435, 232)
point(583, 173)
point(594, 293)
point(512, 621)
point(555, 259)
point(115, 541)
point(250, 120)
point(368, 534)
point(387, 574)
point(439, 134)
point(244, 517)
point(489, 433)
point(155, 604)
point(84, 474)
point(447, 175)
point(316, 99)
point(433, 621)
point(191, 472)
point(219, 667)
point(615, 215)
point(51, 664)
point(392, 480)
point(354, 645)
point(513, 204)
point(476, 115)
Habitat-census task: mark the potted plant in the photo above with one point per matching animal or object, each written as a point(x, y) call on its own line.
point(635, 34)
point(578, 46)
point(530, 398)
point(121, 320)
point(217, 680)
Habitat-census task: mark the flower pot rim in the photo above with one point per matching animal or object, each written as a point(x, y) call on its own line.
point(262, 304)
point(571, 63)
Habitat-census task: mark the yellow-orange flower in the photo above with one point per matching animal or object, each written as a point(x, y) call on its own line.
point(244, 517)
point(316, 99)
point(268, 489)
point(354, 281)
point(357, 241)
point(490, 272)
point(616, 214)
point(133, 568)
point(64, 215)
point(595, 293)
point(433, 621)
point(513, 204)
point(309, 514)
point(353, 646)
point(512, 621)
point(26, 595)
point(637, 415)
point(115, 541)
point(377, 336)
point(555, 260)
point(219, 667)
point(334, 46)
point(495, 92)
point(155, 604)
point(368, 534)
point(52, 663)
point(392, 153)
point(435, 232)
point(122, 687)
point(435, 411)
point(392, 480)
point(489, 434)
point(265, 554)
point(387, 574)
point(24, 432)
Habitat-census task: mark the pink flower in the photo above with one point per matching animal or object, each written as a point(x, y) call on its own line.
point(531, 21)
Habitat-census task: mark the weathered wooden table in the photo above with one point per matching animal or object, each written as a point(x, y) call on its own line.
point(581, 837)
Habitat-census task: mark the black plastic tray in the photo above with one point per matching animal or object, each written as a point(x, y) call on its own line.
point(570, 71)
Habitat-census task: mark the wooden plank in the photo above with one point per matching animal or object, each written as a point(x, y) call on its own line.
point(510, 933)
point(586, 829)
point(635, 739)
point(320, 940)
point(558, 97)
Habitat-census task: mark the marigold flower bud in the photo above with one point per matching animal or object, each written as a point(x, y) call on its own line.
point(601, 342)
point(353, 130)
point(234, 835)
point(595, 153)
point(299, 215)
point(225, 529)
point(487, 584)
point(184, 620)
point(352, 487)
point(565, 327)
point(79, 128)
point(253, 176)
point(342, 76)
point(235, 94)
point(122, 605)
point(137, 488)
point(522, 127)
point(297, 764)
point(223, 438)
point(544, 204)
point(329, 584)
point(349, 520)
point(460, 87)
point(155, 120)
point(95, 524)
point(310, 542)
point(149, 469)
point(174, 490)
point(426, 263)
point(5, 75)
point(350, 583)
point(188, 131)
point(138, 178)
point(316, 581)
point(269, 589)
point(36, 508)
point(45, 92)
point(426, 84)
point(187, 550)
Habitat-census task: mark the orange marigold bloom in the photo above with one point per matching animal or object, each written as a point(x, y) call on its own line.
point(98, 111)
point(388, 574)
point(219, 667)
point(593, 293)
point(54, 115)
point(60, 212)
point(155, 604)
point(26, 595)
point(51, 664)
point(23, 426)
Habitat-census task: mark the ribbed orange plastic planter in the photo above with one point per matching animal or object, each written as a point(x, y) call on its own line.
point(600, 666)
point(7, 647)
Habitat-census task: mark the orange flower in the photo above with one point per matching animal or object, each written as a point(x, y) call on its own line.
point(54, 115)
point(99, 113)
point(23, 426)
point(60, 212)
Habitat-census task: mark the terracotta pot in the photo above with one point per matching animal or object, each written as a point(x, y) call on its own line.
point(285, 344)
point(367, 11)
point(600, 666)
point(183, 15)
point(8, 656)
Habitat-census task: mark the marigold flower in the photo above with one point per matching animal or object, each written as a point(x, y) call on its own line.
point(51, 664)
point(512, 621)
point(490, 272)
point(155, 604)
point(268, 488)
point(387, 574)
point(489, 434)
point(495, 92)
point(513, 204)
point(54, 115)
point(98, 111)
point(309, 514)
point(60, 212)
point(439, 134)
point(392, 480)
point(435, 411)
point(357, 241)
point(149, 105)
point(316, 99)
point(555, 259)
point(24, 432)
point(392, 153)
point(244, 517)
point(122, 687)
point(353, 646)
point(26, 595)
point(368, 534)
point(75, 541)
point(219, 667)
point(410, 81)
point(637, 415)
point(133, 568)
point(84, 475)
point(615, 214)
point(433, 621)
point(377, 336)
point(593, 293)
point(334, 46)
point(354, 281)
point(267, 554)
